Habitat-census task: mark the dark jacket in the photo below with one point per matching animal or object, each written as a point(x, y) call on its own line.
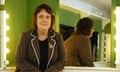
point(78, 51)
point(28, 53)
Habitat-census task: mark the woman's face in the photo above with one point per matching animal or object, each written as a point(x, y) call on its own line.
point(43, 20)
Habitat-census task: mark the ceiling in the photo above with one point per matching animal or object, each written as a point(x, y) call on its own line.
point(102, 4)
point(100, 8)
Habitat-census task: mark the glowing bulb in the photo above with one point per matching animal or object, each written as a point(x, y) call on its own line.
point(7, 15)
point(7, 50)
point(7, 28)
point(7, 62)
point(7, 39)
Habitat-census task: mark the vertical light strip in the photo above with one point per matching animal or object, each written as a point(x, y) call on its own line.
point(2, 2)
point(117, 24)
point(3, 36)
point(3, 39)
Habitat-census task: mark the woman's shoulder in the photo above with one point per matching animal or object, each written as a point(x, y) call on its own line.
point(57, 34)
point(78, 37)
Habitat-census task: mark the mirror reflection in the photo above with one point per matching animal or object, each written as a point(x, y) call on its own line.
point(100, 41)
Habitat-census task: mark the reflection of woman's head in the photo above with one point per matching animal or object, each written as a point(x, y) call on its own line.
point(84, 26)
point(48, 9)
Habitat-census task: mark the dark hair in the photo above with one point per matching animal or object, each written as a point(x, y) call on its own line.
point(84, 26)
point(38, 9)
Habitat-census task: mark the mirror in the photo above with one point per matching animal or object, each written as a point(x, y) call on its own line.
point(70, 12)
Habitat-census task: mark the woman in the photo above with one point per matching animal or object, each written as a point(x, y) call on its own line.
point(41, 48)
point(78, 47)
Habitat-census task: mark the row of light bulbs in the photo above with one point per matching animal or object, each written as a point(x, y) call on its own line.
point(117, 37)
point(6, 38)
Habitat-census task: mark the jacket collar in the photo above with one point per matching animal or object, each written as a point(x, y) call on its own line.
point(35, 46)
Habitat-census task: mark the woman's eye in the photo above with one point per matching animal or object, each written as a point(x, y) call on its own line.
point(40, 16)
point(47, 17)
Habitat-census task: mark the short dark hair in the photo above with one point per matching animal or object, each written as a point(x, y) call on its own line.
point(84, 26)
point(48, 9)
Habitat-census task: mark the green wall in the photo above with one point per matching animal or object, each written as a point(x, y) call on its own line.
point(107, 28)
point(68, 18)
point(17, 10)
point(21, 12)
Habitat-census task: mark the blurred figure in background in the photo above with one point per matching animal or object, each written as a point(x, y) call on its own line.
point(78, 45)
point(94, 45)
